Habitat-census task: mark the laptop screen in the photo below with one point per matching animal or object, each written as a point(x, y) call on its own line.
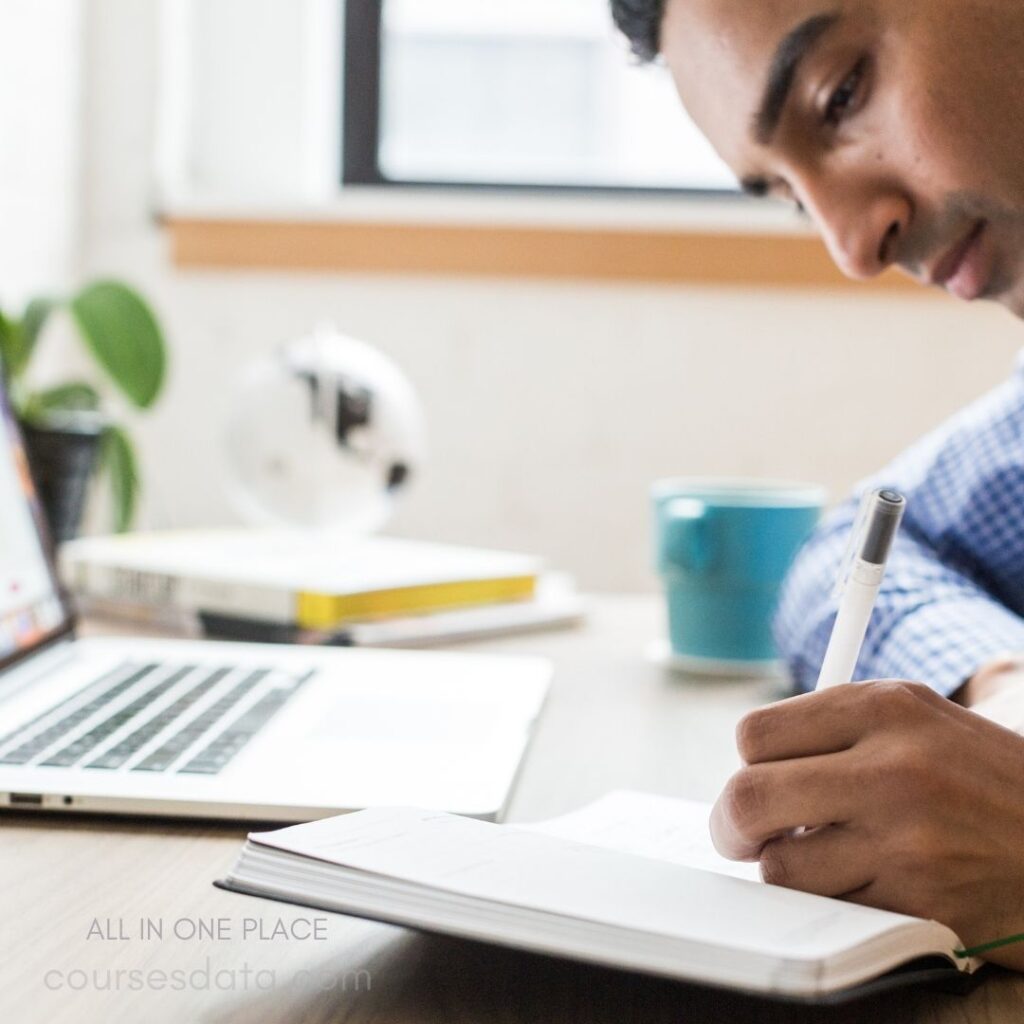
point(32, 610)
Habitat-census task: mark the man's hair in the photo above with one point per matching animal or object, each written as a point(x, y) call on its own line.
point(640, 22)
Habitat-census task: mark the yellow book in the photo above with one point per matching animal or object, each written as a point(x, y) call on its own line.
point(310, 579)
point(323, 611)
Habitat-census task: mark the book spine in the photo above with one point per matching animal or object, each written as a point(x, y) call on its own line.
point(152, 617)
point(329, 611)
point(166, 590)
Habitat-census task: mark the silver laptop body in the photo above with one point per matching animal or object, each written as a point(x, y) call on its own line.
point(270, 732)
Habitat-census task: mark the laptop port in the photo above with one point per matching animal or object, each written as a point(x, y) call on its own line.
point(25, 799)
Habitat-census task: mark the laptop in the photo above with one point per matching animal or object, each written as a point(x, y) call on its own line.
point(190, 728)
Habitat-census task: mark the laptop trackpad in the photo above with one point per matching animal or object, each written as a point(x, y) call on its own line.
point(368, 748)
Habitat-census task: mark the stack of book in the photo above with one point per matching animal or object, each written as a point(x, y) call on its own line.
point(296, 586)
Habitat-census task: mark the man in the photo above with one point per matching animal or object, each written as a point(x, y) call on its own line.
point(899, 128)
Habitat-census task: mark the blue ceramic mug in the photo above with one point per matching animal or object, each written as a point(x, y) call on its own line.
point(723, 548)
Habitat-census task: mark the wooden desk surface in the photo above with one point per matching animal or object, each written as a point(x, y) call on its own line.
point(613, 719)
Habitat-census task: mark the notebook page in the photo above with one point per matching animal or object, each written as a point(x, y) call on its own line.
point(524, 868)
point(662, 827)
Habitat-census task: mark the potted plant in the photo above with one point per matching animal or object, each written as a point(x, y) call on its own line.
point(67, 433)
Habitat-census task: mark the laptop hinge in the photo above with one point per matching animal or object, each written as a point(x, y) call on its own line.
point(28, 672)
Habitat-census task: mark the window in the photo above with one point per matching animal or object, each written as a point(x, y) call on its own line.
point(536, 93)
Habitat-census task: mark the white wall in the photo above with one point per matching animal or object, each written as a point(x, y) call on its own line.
point(551, 407)
point(40, 92)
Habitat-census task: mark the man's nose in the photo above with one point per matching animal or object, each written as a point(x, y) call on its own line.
point(863, 230)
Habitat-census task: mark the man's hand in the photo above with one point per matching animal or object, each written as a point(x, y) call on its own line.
point(912, 803)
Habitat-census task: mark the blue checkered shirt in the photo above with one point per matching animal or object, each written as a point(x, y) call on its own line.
point(953, 594)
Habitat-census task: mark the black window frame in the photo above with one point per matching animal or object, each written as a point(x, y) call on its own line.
point(360, 130)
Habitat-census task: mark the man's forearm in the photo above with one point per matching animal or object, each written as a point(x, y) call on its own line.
point(996, 691)
point(1003, 672)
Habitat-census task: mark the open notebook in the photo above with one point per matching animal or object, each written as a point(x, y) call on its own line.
point(630, 881)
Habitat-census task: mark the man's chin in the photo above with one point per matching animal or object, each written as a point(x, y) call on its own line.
point(1007, 289)
point(1012, 299)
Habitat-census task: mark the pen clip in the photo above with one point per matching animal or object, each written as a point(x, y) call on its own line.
point(857, 532)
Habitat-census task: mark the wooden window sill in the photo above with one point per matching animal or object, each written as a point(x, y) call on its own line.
point(682, 254)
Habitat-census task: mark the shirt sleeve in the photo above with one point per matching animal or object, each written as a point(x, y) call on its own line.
point(953, 591)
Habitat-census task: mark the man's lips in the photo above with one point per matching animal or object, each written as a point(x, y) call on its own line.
point(966, 268)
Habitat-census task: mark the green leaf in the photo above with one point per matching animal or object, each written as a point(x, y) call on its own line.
point(5, 345)
point(123, 335)
point(13, 350)
point(74, 397)
point(33, 320)
point(120, 463)
point(18, 338)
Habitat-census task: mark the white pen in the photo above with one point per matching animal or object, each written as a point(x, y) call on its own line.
point(860, 579)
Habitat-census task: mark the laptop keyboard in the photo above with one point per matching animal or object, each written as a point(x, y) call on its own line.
point(155, 717)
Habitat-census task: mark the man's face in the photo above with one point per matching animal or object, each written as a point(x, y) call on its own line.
point(897, 124)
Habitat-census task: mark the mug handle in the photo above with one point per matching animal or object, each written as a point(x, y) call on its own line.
point(685, 537)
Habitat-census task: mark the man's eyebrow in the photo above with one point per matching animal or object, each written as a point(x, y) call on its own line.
point(788, 56)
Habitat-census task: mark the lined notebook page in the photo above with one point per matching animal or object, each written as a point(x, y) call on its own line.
point(662, 827)
point(527, 868)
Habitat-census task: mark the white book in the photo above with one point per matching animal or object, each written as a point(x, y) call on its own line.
point(631, 881)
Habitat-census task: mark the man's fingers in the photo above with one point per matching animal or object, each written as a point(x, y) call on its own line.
point(833, 860)
point(764, 801)
point(827, 721)
point(814, 723)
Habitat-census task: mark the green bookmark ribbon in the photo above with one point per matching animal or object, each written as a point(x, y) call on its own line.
point(986, 946)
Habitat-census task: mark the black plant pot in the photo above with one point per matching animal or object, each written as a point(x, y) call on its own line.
point(62, 460)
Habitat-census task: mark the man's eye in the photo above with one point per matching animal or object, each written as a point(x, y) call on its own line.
point(841, 100)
